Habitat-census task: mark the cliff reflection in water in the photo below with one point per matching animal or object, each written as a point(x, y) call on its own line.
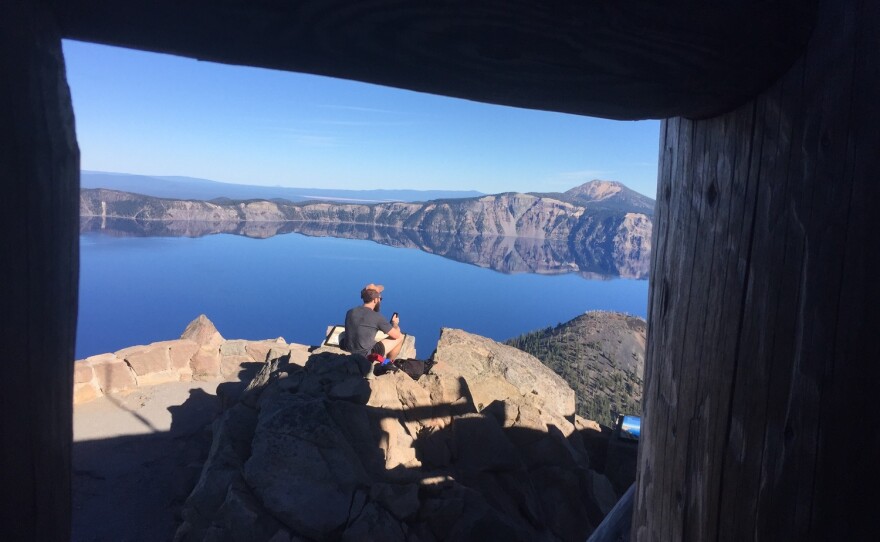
point(503, 254)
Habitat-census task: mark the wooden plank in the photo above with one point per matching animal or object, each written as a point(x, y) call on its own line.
point(615, 527)
point(39, 172)
point(624, 60)
point(773, 377)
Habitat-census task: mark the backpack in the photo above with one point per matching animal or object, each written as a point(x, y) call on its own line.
point(413, 367)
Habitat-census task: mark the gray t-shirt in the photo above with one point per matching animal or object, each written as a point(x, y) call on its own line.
point(361, 325)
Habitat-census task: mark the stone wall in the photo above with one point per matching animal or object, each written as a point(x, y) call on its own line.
point(200, 353)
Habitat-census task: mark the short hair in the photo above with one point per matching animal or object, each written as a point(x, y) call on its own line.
point(368, 294)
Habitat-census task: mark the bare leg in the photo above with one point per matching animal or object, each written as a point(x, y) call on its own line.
point(392, 346)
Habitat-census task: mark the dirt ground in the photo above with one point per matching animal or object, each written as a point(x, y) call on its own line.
point(136, 457)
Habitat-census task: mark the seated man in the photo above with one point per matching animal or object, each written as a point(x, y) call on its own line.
point(362, 323)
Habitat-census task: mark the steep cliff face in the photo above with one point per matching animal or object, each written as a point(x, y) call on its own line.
point(514, 215)
point(509, 232)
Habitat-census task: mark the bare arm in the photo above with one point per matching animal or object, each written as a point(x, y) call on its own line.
point(395, 332)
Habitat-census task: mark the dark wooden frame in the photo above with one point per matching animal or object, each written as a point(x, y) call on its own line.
point(762, 356)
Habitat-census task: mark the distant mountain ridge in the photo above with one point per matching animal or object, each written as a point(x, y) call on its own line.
point(604, 195)
point(602, 239)
point(204, 189)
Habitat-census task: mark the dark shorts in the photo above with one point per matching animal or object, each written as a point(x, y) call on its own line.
point(378, 348)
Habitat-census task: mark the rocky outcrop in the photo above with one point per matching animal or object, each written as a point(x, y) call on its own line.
point(495, 371)
point(601, 355)
point(482, 447)
point(201, 353)
point(602, 229)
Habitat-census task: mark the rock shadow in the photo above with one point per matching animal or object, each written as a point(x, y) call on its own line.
point(132, 487)
point(324, 454)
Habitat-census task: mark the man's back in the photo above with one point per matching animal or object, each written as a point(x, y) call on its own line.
point(361, 325)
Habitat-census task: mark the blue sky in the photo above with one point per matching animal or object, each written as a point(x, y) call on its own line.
point(153, 114)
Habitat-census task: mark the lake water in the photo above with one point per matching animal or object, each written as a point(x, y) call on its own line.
point(137, 290)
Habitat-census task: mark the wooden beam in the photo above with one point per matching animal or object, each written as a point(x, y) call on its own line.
point(39, 172)
point(760, 416)
point(616, 526)
point(622, 60)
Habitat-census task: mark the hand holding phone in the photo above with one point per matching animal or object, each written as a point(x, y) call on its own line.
point(394, 317)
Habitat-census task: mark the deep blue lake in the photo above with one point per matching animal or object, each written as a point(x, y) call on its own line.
point(137, 290)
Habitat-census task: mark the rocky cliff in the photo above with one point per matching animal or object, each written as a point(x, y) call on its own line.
point(525, 232)
point(599, 354)
point(311, 446)
point(484, 447)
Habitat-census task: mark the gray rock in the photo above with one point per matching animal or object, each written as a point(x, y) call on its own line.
point(564, 497)
point(230, 448)
point(302, 468)
point(318, 452)
point(602, 492)
point(241, 518)
point(496, 371)
point(480, 445)
point(402, 500)
point(374, 524)
point(361, 432)
point(354, 389)
point(255, 388)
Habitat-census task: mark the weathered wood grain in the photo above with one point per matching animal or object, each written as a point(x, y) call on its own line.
point(39, 172)
point(762, 360)
point(616, 526)
point(625, 60)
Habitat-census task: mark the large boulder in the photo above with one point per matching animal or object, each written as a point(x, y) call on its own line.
point(233, 433)
point(302, 468)
point(483, 447)
point(496, 371)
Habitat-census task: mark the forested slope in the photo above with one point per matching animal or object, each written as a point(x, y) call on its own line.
point(602, 357)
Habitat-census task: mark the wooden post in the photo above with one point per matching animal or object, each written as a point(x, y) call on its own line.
point(760, 411)
point(39, 172)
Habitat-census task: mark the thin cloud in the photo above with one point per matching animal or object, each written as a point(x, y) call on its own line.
point(312, 140)
point(361, 109)
point(358, 123)
point(305, 137)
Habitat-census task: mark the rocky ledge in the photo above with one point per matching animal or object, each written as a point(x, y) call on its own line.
point(485, 446)
point(201, 354)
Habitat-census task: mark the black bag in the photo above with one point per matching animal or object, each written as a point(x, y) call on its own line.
point(413, 367)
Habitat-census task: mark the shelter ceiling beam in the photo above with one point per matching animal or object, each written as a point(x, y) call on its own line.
point(621, 60)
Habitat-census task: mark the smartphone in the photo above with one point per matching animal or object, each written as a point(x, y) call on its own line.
point(393, 316)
